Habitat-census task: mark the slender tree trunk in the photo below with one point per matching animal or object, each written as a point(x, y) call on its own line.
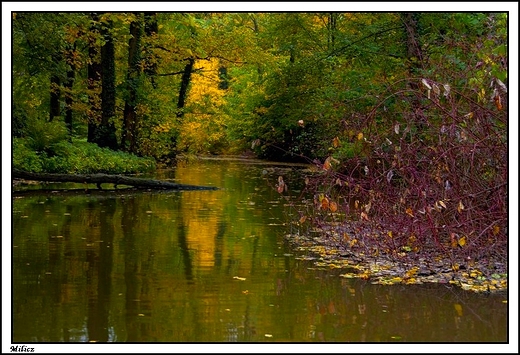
point(332, 28)
point(130, 119)
point(94, 80)
point(415, 62)
point(413, 45)
point(185, 82)
point(151, 29)
point(71, 74)
point(55, 91)
point(106, 136)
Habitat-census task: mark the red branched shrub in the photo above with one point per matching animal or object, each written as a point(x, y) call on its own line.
point(432, 180)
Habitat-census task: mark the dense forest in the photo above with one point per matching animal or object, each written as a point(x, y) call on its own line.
point(405, 115)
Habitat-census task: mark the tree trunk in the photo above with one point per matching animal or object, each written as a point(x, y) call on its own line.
point(185, 82)
point(130, 119)
point(413, 45)
point(151, 29)
point(332, 29)
point(71, 74)
point(106, 136)
point(94, 80)
point(55, 93)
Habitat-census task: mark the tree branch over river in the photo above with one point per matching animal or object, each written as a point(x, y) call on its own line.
point(106, 178)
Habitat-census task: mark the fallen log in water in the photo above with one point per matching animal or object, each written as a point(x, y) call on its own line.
point(99, 179)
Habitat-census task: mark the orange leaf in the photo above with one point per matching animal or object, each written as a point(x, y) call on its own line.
point(303, 219)
point(325, 203)
point(364, 216)
point(335, 142)
point(409, 212)
point(498, 102)
point(326, 164)
point(333, 206)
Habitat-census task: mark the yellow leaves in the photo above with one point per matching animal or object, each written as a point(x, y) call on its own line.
point(460, 207)
point(335, 142)
point(360, 136)
point(457, 242)
point(496, 229)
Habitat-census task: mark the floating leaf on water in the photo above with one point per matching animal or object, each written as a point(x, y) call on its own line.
point(268, 335)
point(239, 278)
point(458, 309)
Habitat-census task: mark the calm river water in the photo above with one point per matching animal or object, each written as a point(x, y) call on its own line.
point(208, 266)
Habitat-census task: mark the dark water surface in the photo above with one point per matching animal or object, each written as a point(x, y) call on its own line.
point(208, 266)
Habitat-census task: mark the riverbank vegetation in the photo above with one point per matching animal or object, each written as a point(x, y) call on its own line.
point(404, 115)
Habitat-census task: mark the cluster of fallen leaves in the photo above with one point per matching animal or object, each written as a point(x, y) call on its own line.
point(384, 271)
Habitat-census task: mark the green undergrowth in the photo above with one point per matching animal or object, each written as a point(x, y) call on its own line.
point(79, 157)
